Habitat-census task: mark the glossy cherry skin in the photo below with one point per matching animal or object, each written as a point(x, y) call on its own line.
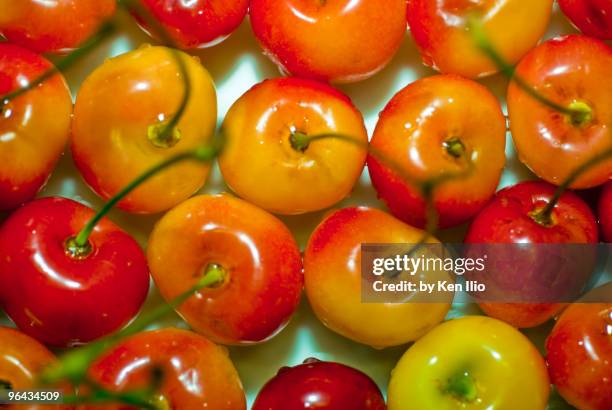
point(592, 17)
point(57, 298)
point(262, 264)
point(332, 277)
point(52, 26)
point(439, 29)
point(507, 219)
point(568, 70)
point(197, 374)
point(22, 359)
point(332, 40)
point(196, 24)
point(320, 385)
point(605, 212)
point(261, 165)
point(34, 127)
point(119, 118)
point(413, 132)
point(579, 355)
point(470, 363)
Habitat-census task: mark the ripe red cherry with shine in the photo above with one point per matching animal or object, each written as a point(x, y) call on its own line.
point(195, 23)
point(510, 218)
point(52, 26)
point(592, 17)
point(604, 211)
point(61, 299)
point(320, 385)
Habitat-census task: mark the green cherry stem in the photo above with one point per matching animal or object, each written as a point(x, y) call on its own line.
point(579, 113)
point(85, 48)
point(74, 365)
point(544, 215)
point(79, 245)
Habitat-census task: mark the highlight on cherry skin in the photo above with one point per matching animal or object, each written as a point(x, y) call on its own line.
point(254, 251)
point(337, 41)
point(439, 29)
point(62, 294)
point(121, 116)
point(34, 126)
point(194, 24)
point(57, 26)
point(319, 384)
point(332, 277)
point(572, 71)
point(436, 125)
point(592, 17)
point(515, 215)
point(196, 373)
point(268, 158)
point(22, 360)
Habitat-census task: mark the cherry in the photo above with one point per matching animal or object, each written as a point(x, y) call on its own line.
point(592, 17)
point(59, 292)
point(320, 385)
point(52, 26)
point(34, 126)
point(605, 212)
point(195, 24)
point(517, 215)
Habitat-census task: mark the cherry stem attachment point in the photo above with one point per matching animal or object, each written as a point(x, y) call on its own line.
point(543, 216)
point(462, 387)
point(578, 113)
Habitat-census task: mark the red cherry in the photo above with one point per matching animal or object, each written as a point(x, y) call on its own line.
point(592, 17)
point(52, 26)
point(34, 126)
point(604, 211)
point(320, 385)
point(509, 218)
point(196, 23)
point(61, 299)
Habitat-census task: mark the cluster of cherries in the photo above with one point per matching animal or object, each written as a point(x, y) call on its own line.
point(287, 151)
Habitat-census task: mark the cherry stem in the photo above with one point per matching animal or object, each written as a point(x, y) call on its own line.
point(75, 364)
point(462, 387)
point(578, 112)
point(544, 215)
point(105, 30)
point(205, 153)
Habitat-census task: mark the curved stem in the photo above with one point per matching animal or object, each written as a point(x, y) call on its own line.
point(577, 114)
point(75, 364)
point(202, 154)
point(105, 30)
point(544, 216)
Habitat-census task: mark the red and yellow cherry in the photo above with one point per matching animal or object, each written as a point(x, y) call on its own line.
point(515, 216)
point(52, 26)
point(474, 362)
point(592, 17)
point(332, 40)
point(332, 276)
point(320, 385)
point(121, 126)
point(263, 161)
point(34, 126)
point(196, 373)
point(439, 125)
point(58, 294)
point(579, 355)
point(195, 24)
point(22, 359)
point(256, 252)
point(439, 29)
point(571, 71)
point(605, 212)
